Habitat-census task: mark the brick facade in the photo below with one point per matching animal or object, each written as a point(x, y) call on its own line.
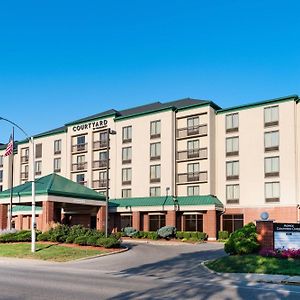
point(3, 216)
point(210, 224)
point(265, 238)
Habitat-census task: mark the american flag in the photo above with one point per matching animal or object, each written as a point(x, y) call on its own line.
point(10, 147)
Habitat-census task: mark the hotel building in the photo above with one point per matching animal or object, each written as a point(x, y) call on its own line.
point(187, 163)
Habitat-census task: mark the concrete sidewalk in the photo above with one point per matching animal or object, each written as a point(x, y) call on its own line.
point(251, 277)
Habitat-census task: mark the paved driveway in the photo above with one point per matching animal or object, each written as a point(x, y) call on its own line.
point(145, 272)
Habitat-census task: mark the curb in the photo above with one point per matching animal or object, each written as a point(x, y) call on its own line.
point(256, 277)
point(101, 255)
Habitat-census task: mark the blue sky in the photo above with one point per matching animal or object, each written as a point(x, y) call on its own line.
point(63, 60)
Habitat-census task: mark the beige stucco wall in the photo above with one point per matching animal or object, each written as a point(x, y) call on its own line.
point(251, 156)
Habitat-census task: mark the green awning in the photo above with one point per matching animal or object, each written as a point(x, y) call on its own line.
point(166, 201)
point(55, 185)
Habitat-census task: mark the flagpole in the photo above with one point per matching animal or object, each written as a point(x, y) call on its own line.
point(11, 180)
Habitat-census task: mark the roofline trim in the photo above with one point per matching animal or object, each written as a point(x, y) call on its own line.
point(260, 103)
point(208, 103)
point(80, 121)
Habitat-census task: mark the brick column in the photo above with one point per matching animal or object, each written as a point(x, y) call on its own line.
point(19, 222)
point(210, 224)
point(136, 222)
point(48, 215)
point(264, 230)
point(3, 216)
point(101, 214)
point(146, 222)
point(171, 218)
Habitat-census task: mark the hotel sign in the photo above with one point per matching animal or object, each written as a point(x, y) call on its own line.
point(90, 125)
point(286, 236)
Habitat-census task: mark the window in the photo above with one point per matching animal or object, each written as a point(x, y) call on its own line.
point(232, 122)
point(25, 155)
point(193, 125)
point(126, 220)
point(38, 151)
point(154, 129)
point(155, 151)
point(102, 156)
point(271, 141)
point(272, 191)
point(156, 221)
point(81, 144)
point(155, 191)
point(103, 178)
point(80, 178)
point(193, 172)
point(193, 149)
point(155, 173)
point(271, 115)
point(1, 161)
point(57, 164)
point(232, 193)
point(103, 139)
point(126, 155)
point(38, 168)
point(127, 134)
point(81, 164)
point(193, 190)
point(126, 176)
point(57, 147)
point(232, 146)
point(1, 175)
point(24, 173)
point(126, 193)
point(271, 166)
point(1, 188)
point(232, 223)
point(232, 170)
point(193, 222)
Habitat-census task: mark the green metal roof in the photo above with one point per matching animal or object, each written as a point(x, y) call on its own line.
point(25, 208)
point(159, 201)
point(260, 103)
point(56, 185)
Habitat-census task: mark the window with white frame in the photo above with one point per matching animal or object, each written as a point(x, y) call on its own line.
point(155, 173)
point(271, 166)
point(127, 134)
point(271, 116)
point(193, 190)
point(57, 164)
point(154, 151)
point(272, 191)
point(126, 155)
point(155, 191)
point(38, 168)
point(232, 146)
point(232, 193)
point(272, 141)
point(80, 178)
point(232, 170)
point(126, 193)
point(1, 161)
point(1, 175)
point(57, 146)
point(155, 128)
point(232, 122)
point(126, 176)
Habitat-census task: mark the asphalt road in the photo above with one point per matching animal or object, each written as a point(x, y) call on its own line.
point(144, 272)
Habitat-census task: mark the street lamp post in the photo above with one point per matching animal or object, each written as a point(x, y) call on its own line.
point(108, 132)
point(33, 222)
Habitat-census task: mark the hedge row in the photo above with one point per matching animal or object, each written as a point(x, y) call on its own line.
point(80, 235)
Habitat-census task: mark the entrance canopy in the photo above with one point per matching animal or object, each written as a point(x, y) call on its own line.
point(54, 188)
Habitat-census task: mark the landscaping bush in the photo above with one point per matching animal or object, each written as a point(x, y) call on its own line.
point(110, 242)
point(281, 253)
point(18, 236)
point(167, 232)
point(59, 233)
point(223, 235)
point(45, 236)
point(180, 235)
point(152, 235)
point(242, 241)
point(81, 240)
point(92, 240)
point(130, 231)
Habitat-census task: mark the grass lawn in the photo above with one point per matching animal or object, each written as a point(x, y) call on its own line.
point(255, 264)
point(51, 252)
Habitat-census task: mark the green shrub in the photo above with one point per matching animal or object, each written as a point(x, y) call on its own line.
point(92, 240)
point(59, 233)
point(81, 240)
point(242, 241)
point(23, 236)
point(223, 235)
point(117, 235)
point(70, 239)
point(186, 235)
point(201, 236)
point(167, 232)
point(152, 235)
point(110, 242)
point(130, 231)
point(180, 235)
